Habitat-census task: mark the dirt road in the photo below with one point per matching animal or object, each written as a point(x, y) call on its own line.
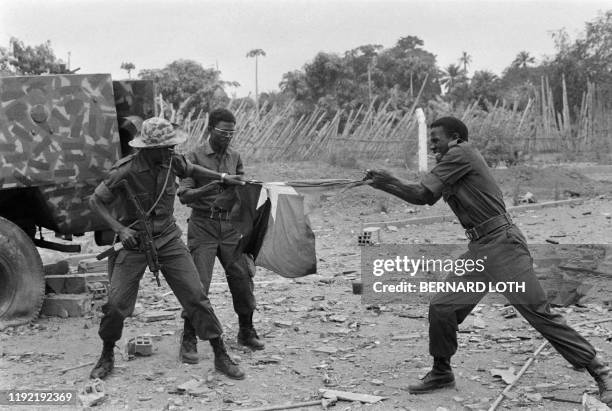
point(320, 335)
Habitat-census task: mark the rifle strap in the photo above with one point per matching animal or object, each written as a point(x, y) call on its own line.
point(161, 193)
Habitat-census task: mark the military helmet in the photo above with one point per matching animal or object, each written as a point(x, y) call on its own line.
point(158, 132)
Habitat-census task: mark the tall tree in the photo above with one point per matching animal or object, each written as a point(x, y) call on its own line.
point(21, 59)
point(485, 87)
point(523, 59)
point(256, 53)
point(465, 60)
point(451, 75)
point(188, 86)
point(586, 59)
point(127, 66)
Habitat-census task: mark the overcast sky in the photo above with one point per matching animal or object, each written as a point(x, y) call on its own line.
point(102, 34)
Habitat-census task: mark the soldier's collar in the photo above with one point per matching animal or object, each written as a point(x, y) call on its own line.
point(453, 143)
point(140, 164)
point(208, 150)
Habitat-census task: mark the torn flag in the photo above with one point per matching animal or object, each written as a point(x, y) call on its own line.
point(275, 224)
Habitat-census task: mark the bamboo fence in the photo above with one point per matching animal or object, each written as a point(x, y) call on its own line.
point(380, 132)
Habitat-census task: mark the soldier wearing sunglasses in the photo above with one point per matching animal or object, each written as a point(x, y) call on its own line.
point(211, 230)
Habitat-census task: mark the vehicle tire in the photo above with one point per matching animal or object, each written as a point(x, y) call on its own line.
point(22, 282)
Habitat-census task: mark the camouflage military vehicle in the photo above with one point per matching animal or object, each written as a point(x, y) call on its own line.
point(59, 135)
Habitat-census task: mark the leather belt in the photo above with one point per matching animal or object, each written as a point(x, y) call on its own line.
point(488, 226)
point(214, 214)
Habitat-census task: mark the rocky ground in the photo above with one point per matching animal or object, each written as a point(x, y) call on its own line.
point(319, 334)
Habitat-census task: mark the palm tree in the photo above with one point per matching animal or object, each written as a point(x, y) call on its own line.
point(450, 75)
point(465, 59)
point(256, 53)
point(128, 67)
point(523, 59)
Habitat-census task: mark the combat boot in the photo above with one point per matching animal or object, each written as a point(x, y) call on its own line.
point(247, 335)
point(106, 363)
point(188, 353)
point(603, 376)
point(223, 362)
point(440, 376)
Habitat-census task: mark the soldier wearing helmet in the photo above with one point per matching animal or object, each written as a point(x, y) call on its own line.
point(150, 174)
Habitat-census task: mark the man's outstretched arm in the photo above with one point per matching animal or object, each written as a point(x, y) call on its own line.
point(414, 193)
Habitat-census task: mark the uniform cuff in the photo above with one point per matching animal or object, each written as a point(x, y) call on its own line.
point(433, 183)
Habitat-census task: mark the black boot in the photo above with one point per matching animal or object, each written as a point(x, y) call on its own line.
point(247, 335)
point(440, 376)
point(106, 363)
point(189, 344)
point(603, 376)
point(223, 362)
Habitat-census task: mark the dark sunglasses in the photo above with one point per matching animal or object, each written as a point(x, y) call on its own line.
point(225, 133)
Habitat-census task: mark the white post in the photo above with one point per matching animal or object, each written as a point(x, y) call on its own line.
point(420, 116)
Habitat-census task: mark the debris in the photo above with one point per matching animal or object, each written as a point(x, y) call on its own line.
point(534, 397)
point(537, 352)
point(369, 236)
point(337, 318)
point(350, 396)
point(590, 403)
point(141, 345)
point(58, 268)
point(92, 265)
point(189, 386)
point(92, 393)
point(326, 349)
point(73, 283)
point(66, 305)
point(160, 315)
point(272, 359)
point(357, 287)
point(392, 228)
point(324, 402)
point(76, 367)
point(98, 290)
point(528, 198)
point(509, 312)
point(548, 240)
point(376, 382)
point(479, 323)
point(405, 337)
point(507, 375)
point(283, 324)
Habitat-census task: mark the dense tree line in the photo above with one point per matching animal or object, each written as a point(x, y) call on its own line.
point(372, 75)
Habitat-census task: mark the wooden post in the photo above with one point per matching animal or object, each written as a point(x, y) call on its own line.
point(420, 116)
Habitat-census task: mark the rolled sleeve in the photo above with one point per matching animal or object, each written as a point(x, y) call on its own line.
point(434, 185)
point(104, 193)
point(185, 184)
point(108, 188)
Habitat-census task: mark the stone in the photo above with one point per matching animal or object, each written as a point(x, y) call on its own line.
point(58, 268)
point(159, 315)
point(92, 265)
point(74, 283)
point(66, 305)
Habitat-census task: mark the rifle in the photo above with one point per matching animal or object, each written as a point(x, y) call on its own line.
point(146, 243)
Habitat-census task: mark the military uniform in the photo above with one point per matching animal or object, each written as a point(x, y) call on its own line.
point(465, 182)
point(212, 232)
point(129, 264)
